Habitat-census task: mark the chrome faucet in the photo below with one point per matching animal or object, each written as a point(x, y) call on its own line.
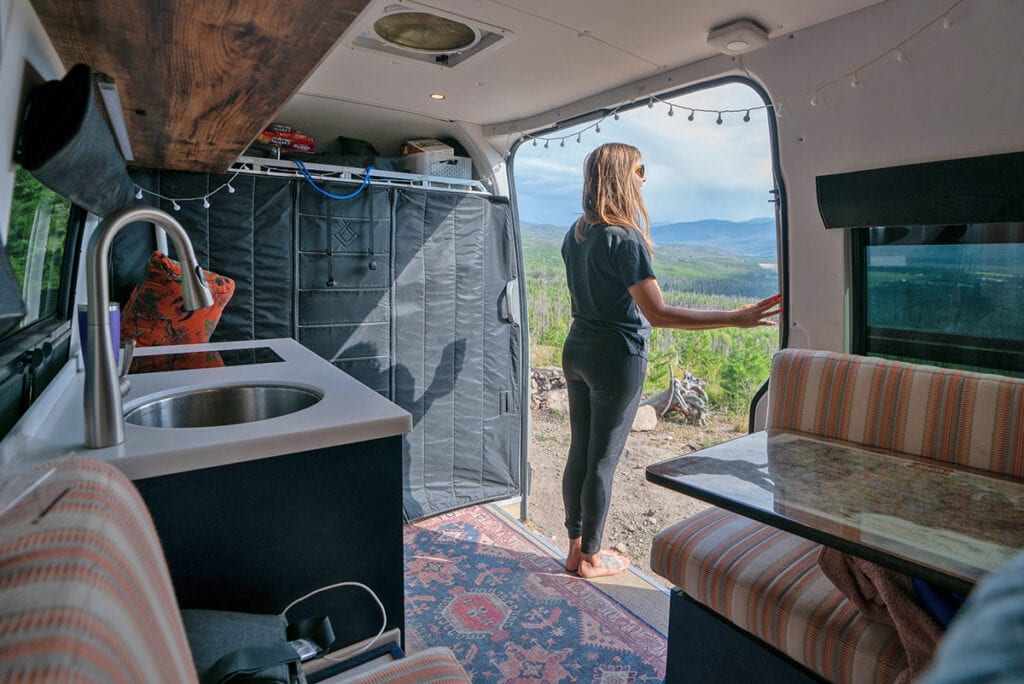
point(104, 422)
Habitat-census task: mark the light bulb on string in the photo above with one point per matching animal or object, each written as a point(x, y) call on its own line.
point(650, 103)
point(690, 118)
point(746, 117)
point(855, 81)
point(814, 100)
point(719, 119)
point(597, 128)
point(546, 144)
point(671, 111)
point(561, 143)
point(138, 193)
point(900, 57)
point(778, 109)
point(579, 137)
point(534, 142)
point(946, 22)
point(206, 202)
point(616, 116)
point(231, 188)
point(177, 207)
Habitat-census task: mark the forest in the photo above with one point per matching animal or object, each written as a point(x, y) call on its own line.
point(734, 362)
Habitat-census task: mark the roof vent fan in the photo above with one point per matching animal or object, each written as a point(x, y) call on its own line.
point(427, 35)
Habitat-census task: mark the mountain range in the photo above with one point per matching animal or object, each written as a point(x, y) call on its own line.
point(754, 237)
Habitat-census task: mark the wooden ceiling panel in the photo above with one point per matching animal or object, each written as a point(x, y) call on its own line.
point(198, 80)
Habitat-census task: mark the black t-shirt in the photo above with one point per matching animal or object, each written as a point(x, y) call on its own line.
point(599, 271)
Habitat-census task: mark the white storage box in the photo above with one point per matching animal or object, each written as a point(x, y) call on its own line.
point(431, 164)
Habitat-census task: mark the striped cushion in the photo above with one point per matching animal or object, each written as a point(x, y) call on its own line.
point(767, 582)
point(432, 666)
point(971, 419)
point(85, 594)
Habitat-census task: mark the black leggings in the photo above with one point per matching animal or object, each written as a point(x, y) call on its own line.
point(604, 385)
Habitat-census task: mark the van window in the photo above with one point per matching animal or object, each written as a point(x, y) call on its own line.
point(947, 294)
point(43, 239)
point(36, 240)
point(708, 164)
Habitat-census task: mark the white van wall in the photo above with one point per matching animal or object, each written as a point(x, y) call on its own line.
point(23, 43)
point(958, 93)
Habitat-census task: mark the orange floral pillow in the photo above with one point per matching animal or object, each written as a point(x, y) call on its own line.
point(155, 313)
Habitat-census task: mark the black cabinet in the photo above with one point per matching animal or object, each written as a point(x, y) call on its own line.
point(254, 536)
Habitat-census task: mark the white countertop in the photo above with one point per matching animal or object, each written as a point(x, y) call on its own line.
point(348, 412)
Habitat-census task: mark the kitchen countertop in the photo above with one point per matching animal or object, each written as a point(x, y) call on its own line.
point(348, 412)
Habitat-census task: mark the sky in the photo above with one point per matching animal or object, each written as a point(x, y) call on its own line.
point(695, 169)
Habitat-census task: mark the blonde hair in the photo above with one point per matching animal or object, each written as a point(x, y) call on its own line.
point(610, 194)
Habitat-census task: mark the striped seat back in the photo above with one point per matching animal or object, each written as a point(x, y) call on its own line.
point(972, 419)
point(85, 594)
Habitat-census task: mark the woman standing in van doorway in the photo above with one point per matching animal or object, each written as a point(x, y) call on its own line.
point(615, 301)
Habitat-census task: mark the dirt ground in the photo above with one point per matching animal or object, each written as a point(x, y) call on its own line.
point(639, 509)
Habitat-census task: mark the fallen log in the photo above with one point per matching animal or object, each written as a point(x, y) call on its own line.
point(686, 396)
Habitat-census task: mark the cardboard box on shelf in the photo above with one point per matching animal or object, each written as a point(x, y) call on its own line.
point(434, 148)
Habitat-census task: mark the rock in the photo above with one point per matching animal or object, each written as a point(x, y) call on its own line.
point(646, 419)
point(557, 400)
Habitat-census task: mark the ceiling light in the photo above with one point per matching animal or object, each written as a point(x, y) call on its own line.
point(738, 37)
point(436, 96)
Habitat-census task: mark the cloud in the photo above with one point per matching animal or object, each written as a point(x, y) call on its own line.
point(695, 170)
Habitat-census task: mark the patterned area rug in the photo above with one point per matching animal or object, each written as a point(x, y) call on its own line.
point(509, 612)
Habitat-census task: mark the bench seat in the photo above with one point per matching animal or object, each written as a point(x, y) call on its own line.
point(767, 582)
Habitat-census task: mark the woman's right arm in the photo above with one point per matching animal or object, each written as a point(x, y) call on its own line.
point(648, 297)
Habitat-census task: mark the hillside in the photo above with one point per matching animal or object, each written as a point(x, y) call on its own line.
point(755, 237)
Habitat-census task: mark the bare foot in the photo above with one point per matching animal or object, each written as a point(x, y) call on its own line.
point(603, 564)
point(572, 561)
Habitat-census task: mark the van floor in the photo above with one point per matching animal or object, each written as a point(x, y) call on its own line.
point(634, 589)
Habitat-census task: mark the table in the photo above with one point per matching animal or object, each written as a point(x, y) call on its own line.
point(943, 523)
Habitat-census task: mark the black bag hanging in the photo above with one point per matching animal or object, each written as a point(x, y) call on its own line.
point(67, 146)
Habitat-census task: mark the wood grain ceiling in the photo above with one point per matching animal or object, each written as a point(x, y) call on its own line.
point(198, 79)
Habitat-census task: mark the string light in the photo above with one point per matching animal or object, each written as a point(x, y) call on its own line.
point(176, 201)
point(815, 98)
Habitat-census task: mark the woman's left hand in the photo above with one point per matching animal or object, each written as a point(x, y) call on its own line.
point(753, 315)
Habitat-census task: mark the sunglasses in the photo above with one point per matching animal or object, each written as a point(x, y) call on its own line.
point(640, 171)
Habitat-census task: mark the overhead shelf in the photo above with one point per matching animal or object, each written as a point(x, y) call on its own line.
point(283, 168)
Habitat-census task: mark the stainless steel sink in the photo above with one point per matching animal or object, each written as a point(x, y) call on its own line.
point(224, 405)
